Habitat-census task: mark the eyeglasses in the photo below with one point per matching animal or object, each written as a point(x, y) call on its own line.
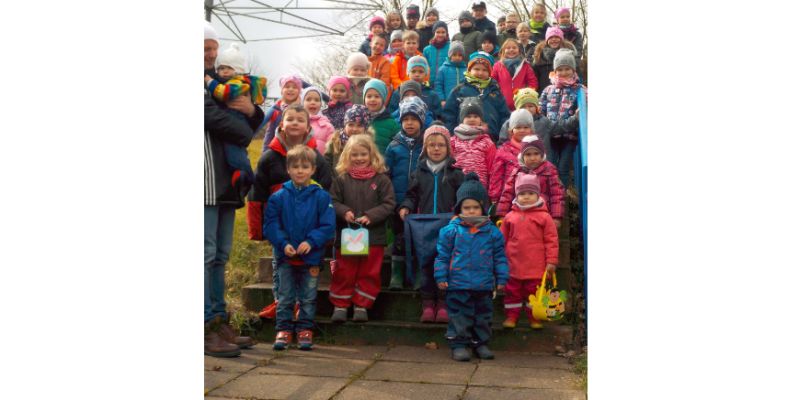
point(437, 145)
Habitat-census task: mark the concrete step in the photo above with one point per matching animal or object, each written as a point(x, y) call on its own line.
point(264, 273)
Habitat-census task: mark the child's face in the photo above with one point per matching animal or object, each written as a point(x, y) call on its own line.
point(532, 108)
point(410, 45)
point(511, 51)
point(377, 29)
point(479, 13)
point(456, 57)
point(312, 103)
point(359, 156)
point(290, 92)
point(409, 93)
point(378, 45)
point(523, 34)
point(527, 198)
point(487, 46)
point(554, 42)
point(225, 72)
point(358, 71)
point(440, 34)
point(412, 22)
point(471, 208)
point(411, 125)
point(436, 148)
point(479, 71)
point(520, 132)
point(418, 74)
point(339, 92)
point(539, 14)
point(373, 100)
point(393, 21)
point(301, 172)
point(430, 19)
point(512, 21)
point(532, 158)
point(397, 44)
point(564, 71)
point(353, 128)
point(564, 19)
point(501, 26)
point(472, 120)
point(295, 125)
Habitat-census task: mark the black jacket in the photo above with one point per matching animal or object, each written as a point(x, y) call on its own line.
point(420, 195)
point(425, 36)
point(485, 24)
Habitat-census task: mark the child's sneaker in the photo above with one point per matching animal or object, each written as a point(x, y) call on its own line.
point(282, 340)
point(360, 314)
point(460, 354)
point(304, 340)
point(536, 324)
point(510, 323)
point(269, 311)
point(441, 313)
point(339, 314)
point(428, 313)
point(484, 353)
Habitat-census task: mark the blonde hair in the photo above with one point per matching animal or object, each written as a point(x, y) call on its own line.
point(375, 158)
point(301, 154)
point(523, 26)
point(410, 35)
point(514, 42)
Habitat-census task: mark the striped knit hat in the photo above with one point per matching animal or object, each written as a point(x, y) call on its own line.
point(481, 57)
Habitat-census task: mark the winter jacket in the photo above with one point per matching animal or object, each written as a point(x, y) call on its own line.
point(295, 215)
point(366, 45)
point(373, 197)
point(425, 36)
point(220, 128)
point(505, 161)
point(538, 35)
point(559, 104)
point(272, 120)
point(448, 77)
point(470, 258)
point(380, 68)
point(551, 189)
point(432, 101)
point(471, 40)
point(335, 113)
point(436, 57)
point(485, 24)
point(398, 70)
point(385, 128)
point(576, 39)
point(322, 129)
point(401, 159)
point(495, 110)
point(543, 63)
point(357, 88)
point(431, 193)
point(523, 78)
point(476, 155)
point(531, 241)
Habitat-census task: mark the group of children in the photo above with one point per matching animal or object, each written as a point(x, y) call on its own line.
point(416, 134)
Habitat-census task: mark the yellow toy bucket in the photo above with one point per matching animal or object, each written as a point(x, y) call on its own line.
point(548, 304)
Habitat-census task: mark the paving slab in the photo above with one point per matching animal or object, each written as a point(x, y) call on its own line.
point(333, 351)
point(419, 354)
point(396, 371)
point(311, 366)
point(376, 390)
point(523, 360)
point(482, 393)
point(214, 379)
point(280, 387)
point(534, 378)
point(250, 358)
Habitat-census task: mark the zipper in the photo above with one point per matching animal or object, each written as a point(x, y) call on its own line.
point(435, 192)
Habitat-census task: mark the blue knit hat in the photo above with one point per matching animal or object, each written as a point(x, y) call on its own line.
point(440, 24)
point(471, 188)
point(414, 106)
point(418, 61)
point(378, 85)
point(481, 57)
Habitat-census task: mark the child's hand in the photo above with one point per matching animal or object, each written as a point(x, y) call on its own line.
point(289, 250)
point(208, 78)
point(551, 269)
point(403, 212)
point(304, 248)
point(442, 285)
point(558, 223)
point(364, 220)
point(349, 217)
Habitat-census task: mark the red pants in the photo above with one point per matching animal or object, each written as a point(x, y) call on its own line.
point(356, 279)
point(516, 296)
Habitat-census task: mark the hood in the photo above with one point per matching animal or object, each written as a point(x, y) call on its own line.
point(309, 190)
point(278, 145)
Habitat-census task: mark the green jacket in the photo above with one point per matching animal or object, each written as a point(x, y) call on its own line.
point(385, 128)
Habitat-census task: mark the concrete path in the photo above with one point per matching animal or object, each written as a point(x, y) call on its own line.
point(387, 373)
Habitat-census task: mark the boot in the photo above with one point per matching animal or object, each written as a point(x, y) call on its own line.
point(360, 314)
point(215, 345)
point(398, 269)
point(460, 354)
point(305, 340)
point(510, 323)
point(229, 334)
point(441, 312)
point(428, 313)
point(484, 353)
point(339, 314)
point(269, 311)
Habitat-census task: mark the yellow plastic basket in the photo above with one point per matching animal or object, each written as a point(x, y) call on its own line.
point(548, 304)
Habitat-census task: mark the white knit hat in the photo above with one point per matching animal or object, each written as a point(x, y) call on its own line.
point(520, 117)
point(357, 58)
point(210, 32)
point(233, 58)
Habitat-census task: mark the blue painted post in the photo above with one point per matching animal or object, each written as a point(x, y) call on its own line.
point(581, 179)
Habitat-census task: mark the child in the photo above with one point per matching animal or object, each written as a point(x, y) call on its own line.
point(433, 191)
point(470, 264)
point(544, 54)
point(299, 221)
point(501, 24)
point(399, 72)
point(409, 88)
point(531, 247)
point(384, 126)
point(544, 128)
point(426, 33)
point(505, 161)
point(451, 73)
point(412, 16)
point(402, 155)
point(339, 89)
point(395, 46)
point(419, 72)
point(358, 74)
point(394, 23)
point(376, 27)
point(356, 122)
point(513, 72)
point(478, 83)
point(467, 34)
point(489, 43)
point(362, 194)
point(512, 20)
point(571, 33)
point(524, 39)
point(538, 23)
point(472, 147)
point(290, 94)
point(559, 102)
point(321, 127)
point(380, 67)
point(532, 160)
point(437, 52)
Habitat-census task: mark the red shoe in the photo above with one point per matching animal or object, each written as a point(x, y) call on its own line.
point(305, 340)
point(282, 340)
point(269, 311)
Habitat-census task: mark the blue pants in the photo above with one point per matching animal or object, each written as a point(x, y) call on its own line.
point(297, 286)
point(563, 151)
point(218, 235)
point(470, 313)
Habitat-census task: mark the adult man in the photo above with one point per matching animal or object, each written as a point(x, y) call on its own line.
point(482, 23)
point(220, 203)
point(412, 16)
point(512, 20)
point(426, 33)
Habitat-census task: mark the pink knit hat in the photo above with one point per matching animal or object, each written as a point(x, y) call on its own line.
point(376, 20)
point(531, 142)
point(560, 11)
point(553, 31)
point(527, 183)
point(290, 78)
point(437, 129)
point(335, 80)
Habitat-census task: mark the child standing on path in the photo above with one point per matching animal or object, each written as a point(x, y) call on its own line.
point(531, 247)
point(473, 149)
point(290, 94)
point(299, 221)
point(321, 127)
point(513, 72)
point(362, 194)
point(470, 264)
point(356, 122)
point(385, 127)
point(339, 89)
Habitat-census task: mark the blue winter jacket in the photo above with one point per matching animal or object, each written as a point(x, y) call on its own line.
point(448, 77)
point(495, 110)
point(436, 57)
point(429, 97)
point(402, 161)
point(297, 215)
point(469, 258)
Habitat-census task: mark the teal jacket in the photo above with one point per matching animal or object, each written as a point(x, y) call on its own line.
point(470, 258)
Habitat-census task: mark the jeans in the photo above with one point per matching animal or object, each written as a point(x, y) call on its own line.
point(470, 313)
point(563, 151)
point(218, 235)
point(297, 286)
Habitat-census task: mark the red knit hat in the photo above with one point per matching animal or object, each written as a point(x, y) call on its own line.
point(527, 183)
point(531, 142)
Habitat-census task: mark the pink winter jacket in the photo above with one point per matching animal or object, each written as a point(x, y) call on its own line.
point(476, 155)
point(323, 130)
point(523, 78)
point(531, 241)
point(505, 160)
point(551, 189)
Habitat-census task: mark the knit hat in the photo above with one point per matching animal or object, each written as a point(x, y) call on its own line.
point(310, 89)
point(432, 11)
point(233, 58)
point(531, 142)
point(335, 80)
point(520, 117)
point(525, 96)
point(414, 106)
point(437, 129)
point(478, 5)
point(564, 57)
point(358, 114)
point(397, 34)
point(412, 10)
point(553, 31)
point(466, 15)
point(417, 61)
point(455, 47)
point(209, 33)
point(290, 78)
point(376, 20)
point(357, 59)
point(490, 36)
point(527, 183)
point(481, 57)
point(471, 188)
point(560, 11)
point(439, 24)
point(378, 85)
point(410, 85)
point(470, 105)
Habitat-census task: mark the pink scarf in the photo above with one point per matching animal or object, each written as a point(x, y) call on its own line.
point(563, 82)
point(361, 173)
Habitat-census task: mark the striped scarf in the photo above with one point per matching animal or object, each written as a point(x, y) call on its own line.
point(480, 83)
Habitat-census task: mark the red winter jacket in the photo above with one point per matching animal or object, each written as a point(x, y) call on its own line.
point(505, 160)
point(531, 241)
point(524, 77)
point(551, 189)
point(476, 155)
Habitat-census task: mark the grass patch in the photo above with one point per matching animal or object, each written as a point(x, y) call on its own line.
point(582, 369)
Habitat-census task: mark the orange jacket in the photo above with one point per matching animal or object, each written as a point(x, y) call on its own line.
point(381, 69)
point(398, 71)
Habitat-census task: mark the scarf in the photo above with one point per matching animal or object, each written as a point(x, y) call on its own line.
point(536, 26)
point(563, 82)
point(361, 173)
point(480, 83)
point(466, 132)
point(569, 30)
point(548, 53)
point(334, 103)
point(439, 44)
point(512, 64)
point(523, 208)
point(475, 222)
point(373, 115)
point(410, 142)
point(466, 31)
point(435, 167)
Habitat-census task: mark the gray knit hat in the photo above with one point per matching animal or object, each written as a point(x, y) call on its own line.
point(520, 117)
point(466, 15)
point(456, 46)
point(397, 34)
point(470, 105)
point(410, 85)
point(432, 11)
point(564, 57)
